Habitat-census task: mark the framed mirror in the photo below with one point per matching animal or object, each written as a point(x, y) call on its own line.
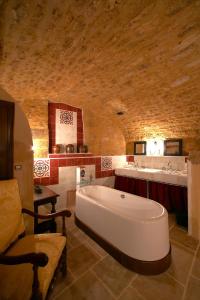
point(140, 148)
point(173, 147)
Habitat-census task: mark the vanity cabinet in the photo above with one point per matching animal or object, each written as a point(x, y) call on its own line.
point(179, 200)
point(160, 192)
point(131, 185)
point(172, 197)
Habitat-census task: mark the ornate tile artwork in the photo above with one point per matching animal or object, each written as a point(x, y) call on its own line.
point(66, 117)
point(41, 168)
point(106, 163)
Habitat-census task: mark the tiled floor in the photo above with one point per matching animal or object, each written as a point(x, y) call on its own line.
point(95, 275)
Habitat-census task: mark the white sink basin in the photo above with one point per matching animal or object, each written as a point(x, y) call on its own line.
point(148, 170)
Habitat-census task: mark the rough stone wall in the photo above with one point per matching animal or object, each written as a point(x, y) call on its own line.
point(37, 115)
point(102, 136)
point(140, 57)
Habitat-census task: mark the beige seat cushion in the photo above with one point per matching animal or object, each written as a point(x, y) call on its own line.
point(11, 218)
point(16, 281)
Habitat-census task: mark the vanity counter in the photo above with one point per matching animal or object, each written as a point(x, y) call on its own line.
point(169, 177)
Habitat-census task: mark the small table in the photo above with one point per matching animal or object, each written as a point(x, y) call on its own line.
point(47, 196)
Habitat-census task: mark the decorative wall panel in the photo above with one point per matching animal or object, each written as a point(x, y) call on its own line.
point(66, 127)
point(65, 124)
point(106, 163)
point(41, 168)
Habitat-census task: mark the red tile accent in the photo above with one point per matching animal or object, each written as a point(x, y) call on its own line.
point(62, 162)
point(54, 172)
point(37, 181)
point(98, 175)
point(72, 159)
point(70, 162)
point(130, 158)
point(98, 168)
point(53, 180)
point(45, 180)
point(54, 163)
point(79, 161)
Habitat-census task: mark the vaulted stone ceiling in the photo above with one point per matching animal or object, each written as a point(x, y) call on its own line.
point(140, 57)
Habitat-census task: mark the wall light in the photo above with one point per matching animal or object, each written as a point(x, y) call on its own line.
point(155, 147)
point(37, 149)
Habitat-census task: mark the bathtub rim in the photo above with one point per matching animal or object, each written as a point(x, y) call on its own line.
point(139, 266)
point(164, 213)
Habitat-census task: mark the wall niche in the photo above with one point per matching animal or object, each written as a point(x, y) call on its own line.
point(65, 125)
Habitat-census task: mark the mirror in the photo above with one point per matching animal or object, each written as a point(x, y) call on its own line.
point(140, 148)
point(173, 147)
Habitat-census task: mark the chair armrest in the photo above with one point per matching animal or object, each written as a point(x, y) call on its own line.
point(62, 213)
point(38, 259)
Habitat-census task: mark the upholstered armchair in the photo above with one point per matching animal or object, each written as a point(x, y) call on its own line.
point(28, 263)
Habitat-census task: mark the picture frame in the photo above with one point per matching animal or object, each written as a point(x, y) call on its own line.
point(140, 148)
point(173, 147)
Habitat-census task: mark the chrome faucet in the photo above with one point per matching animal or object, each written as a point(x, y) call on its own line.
point(169, 166)
point(136, 165)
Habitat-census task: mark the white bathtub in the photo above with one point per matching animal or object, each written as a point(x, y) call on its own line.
point(136, 226)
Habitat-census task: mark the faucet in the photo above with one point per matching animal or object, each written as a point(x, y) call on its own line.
point(136, 165)
point(91, 178)
point(169, 166)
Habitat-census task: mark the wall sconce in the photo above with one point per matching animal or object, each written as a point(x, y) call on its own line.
point(155, 147)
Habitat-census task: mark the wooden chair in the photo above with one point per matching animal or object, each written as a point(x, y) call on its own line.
point(28, 263)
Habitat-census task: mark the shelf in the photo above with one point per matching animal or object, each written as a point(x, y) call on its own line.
point(61, 155)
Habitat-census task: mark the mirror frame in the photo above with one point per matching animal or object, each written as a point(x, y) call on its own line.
point(179, 147)
point(140, 143)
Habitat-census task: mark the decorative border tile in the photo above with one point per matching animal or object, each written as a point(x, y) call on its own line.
point(66, 117)
point(106, 163)
point(41, 168)
point(45, 176)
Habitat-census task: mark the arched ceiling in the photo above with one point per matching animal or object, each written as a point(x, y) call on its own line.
point(136, 56)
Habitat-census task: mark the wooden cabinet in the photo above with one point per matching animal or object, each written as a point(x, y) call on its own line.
point(131, 185)
point(179, 199)
point(6, 139)
point(172, 197)
point(160, 192)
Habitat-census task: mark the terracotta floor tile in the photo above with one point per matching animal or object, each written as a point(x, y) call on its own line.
point(196, 266)
point(87, 287)
point(131, 294)
point(86, 256)
point(171, 219)
point(181, 236)
point(160, 287)
point(76, 237)
point(97, 248)
point(61, 283)
point(181, 262)
point(80, 259)
point(193, 290)
point(114, 276)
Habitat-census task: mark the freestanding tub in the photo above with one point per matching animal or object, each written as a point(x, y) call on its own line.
point(132, 229)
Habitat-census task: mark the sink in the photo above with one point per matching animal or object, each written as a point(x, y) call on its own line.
point(148, 170)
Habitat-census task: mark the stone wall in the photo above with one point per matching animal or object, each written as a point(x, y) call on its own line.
point(102, 135)
point(106, 56)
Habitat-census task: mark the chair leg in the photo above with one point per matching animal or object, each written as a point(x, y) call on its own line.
point(36, 294)
point(64, 262)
